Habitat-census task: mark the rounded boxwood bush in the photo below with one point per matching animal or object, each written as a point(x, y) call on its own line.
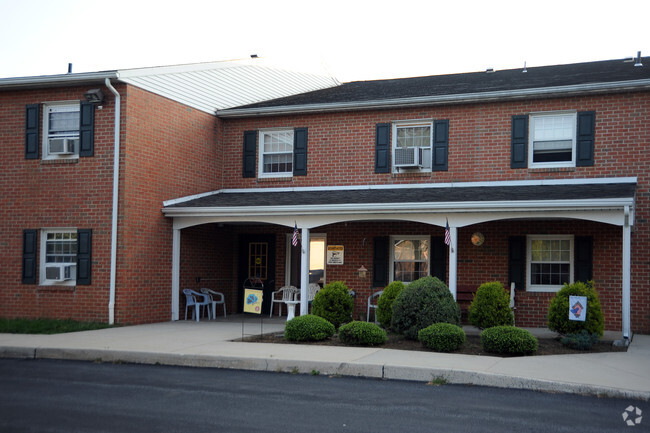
point(442, 337)
point(558, 310)
point(491, 307)
point(361, 334)
point(385, 303)
point(308, 328)
point(422, 303)
point(508, 340)
point(583, 340)
point(333, 303)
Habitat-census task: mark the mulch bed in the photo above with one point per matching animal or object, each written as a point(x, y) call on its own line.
point(472, 346)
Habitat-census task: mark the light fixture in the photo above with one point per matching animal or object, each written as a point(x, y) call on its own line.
point(362, 271)
point(94, 96)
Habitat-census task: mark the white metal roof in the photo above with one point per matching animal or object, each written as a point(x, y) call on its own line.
point(218, 85)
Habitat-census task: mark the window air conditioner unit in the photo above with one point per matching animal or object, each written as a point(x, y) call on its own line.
point(58, 272)
point(62, 146)
point(408, 157)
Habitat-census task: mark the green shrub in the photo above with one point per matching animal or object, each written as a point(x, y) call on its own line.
point(308, 328)
point(333, 303)
point(361, 334)
point(422, 303)
point(491, 307)
point(581, 341)
point(508, 340)
point(442, 337)
point(385, 303)
point(558, 310)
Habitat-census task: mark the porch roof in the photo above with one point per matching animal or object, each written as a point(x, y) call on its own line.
point(567, 195)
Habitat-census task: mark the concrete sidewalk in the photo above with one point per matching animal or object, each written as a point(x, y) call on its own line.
point(213, 344)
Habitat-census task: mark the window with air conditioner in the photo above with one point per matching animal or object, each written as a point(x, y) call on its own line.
point(58, 257)
point(412, 146)
point(61, 130)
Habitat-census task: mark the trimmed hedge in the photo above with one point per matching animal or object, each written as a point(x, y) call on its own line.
point(442, 337)
point(334, 303)
point(308, 328)
point(422, 303)
point(362, 334)
point(558, 310)
point(508, 340)
point(384, 310)
point(491, 307)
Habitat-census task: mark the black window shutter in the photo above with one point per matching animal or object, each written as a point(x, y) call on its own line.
point(250, 153)
point(440, 145)
point(380, 261)
point(583, 258)
point(31, 131)
point(517, 261)
point(382, 148)
point(29, 256)
point(84, 256)
point(585, 139)
point(439, 258)
point(300, 152)
point(519, 142)
point(86, 129)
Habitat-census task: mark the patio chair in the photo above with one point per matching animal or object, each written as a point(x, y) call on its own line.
point(282, 295)
point(374, 297)
point(215, 298)
point(192, 300)
point(312, 289)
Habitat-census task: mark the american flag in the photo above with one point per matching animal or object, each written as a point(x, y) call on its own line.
point(294, 240)
point(447, 234)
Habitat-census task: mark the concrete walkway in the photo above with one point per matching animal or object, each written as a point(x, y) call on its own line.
point(213, 344)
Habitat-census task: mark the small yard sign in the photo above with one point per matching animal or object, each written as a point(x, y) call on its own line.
point(335, 254)
point(578, 308)
point(253, 301)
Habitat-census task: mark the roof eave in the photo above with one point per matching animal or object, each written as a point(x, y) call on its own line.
point(500, 95)
point(56, 80)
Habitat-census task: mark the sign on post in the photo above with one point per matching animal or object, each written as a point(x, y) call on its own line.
point(578, 308)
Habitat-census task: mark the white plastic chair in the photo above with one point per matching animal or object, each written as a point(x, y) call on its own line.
point(215, 298)
point(192, 300)
point(286, 293)
point(312, 289)
point(371, 298)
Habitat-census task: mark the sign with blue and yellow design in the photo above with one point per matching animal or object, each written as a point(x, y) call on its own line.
point(253, 301)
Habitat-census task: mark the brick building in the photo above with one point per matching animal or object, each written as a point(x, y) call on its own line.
point(541, 175)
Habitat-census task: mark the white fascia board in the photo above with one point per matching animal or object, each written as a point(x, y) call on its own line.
point(438, 100)
point(57, 80)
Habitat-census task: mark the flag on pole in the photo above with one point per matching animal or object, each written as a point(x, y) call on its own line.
point(447, 234)
point(294, 240)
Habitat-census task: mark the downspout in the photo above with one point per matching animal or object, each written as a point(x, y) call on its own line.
point(116, 185)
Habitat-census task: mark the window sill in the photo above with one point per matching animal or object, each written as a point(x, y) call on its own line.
point(543, 289)
point(552, 170)
point(55, 288)
point(274, 179)
point(60, 161)
point(411, 174)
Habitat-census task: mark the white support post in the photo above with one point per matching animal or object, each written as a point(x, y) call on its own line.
point(304, 272)
point(453, 261)
point(626, 271)
point(176, 272)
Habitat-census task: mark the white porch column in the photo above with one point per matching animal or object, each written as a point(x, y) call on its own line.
point(176, 272)
point(626, 269)
point(304, 272)
point(453, 261)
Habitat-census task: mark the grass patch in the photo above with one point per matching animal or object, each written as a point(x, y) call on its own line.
point(47, 326)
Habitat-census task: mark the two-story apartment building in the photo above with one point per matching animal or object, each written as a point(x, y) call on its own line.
point(540, 175)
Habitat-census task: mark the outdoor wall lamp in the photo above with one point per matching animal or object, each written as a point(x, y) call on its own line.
point(362, 271)
point(94, 96)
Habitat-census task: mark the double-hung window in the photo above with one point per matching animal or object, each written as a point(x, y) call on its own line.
point(276, 153)
point(552, 140)
point(61, 130)
point(412, 145)
point(409, 257)
point(58, 256)
point(550, 262)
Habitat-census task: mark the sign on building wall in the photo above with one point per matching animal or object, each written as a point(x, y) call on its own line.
point(578, 308)
point(253, 301)
point(335, 254)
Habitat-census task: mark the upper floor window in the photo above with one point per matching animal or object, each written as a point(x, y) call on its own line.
point(409, 258)
point(552, 140)
point(61, 130)
point(276, 153)
point(412, 145)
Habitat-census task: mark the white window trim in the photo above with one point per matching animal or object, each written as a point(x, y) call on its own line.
point(531, 130)
point(43, 281)
point(288, 245)
point(260, 164)
point(415, 123)
point(393, 238)
point(547, 288)
point(46, 129)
